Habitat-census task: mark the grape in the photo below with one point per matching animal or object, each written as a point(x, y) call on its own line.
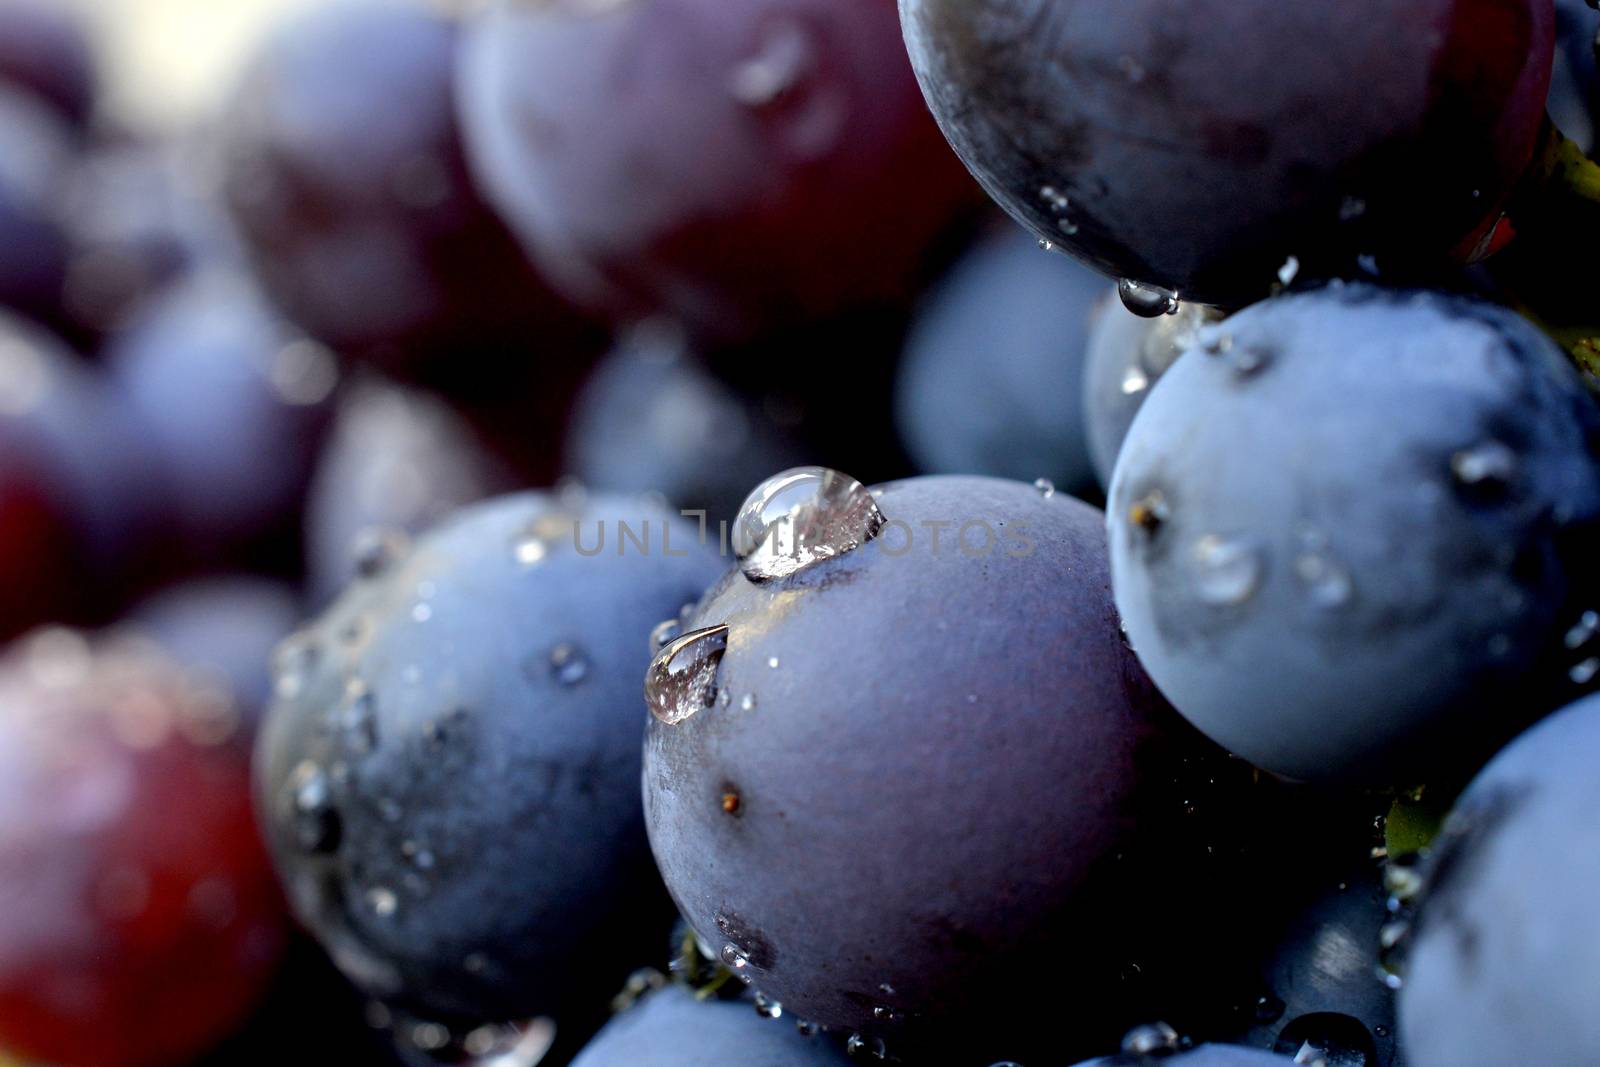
point(994, 367)
point(36, 155)
point(450, 775)
point(652, 418)
point(1127, 356)
point(234, 400)
point(343, 167)
point(842, 784)
point(78, 511)
point(1348, 531)
point(1203, 1056)
point(397, 461)
point(1502, 954)
point(1194, 147)
point(222, 630)
point(671, 1029)
point(141, 922)
point(43, 50)
point(743, 167)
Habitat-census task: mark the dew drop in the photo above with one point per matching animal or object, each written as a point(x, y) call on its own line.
point(1045, 488)
point(1329, 585)
point(1147, 301)
point(1584, 631)
point(806, 1027)
point(682, 678)
point(568, 665)
point(768, 1008)
point(317, 826)
point(802, 517)
point(1151, 1039)
point(747, 702)
point(1289, 271)
point(1227, 570)
point(733, 959)
point(885, 1014)
point(867, 1047)
point(1487, 468)
point(1327, 1039)
point(1585, 672)
point(663, 634)
point(1046, 246)
point(784, 59)
point(772, 661)
point(383, 902)
point(358, 721)
point(1135, 381)
point(292, 664)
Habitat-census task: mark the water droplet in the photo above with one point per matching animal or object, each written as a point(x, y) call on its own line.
point(1046, 246)
point(1152, 1039)
point(806, 1027)
point(1247, 361)
point(663, 634)
point(1487, 468)
point(1045, 488)
point(1327, 1039)
point(802, 517)
point(747, 702)
point(1584, 631)
point(292, 664)
point(317, 826)
point(358, 721)
point(885, 1014)
point(862, 1046)
point(568, 665)
point(772, 661)
point(682, 678)
point(383, 902)
point(768, 1008)
point(1289, 271)
point(1269, 1008)
point(1147, 301)
point(733, 959)
point(378, 549)
point(1329, 584)
point(785, 56)
point(1584, 673)
point(1227, 570)
point(421, 612)
point(531, 551)
point(1135, 381)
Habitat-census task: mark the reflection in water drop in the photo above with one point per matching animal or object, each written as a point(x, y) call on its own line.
point(802, 517)
point(682, 678)
point(1328, 1039)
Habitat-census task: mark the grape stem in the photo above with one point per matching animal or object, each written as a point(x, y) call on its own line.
point(1548, 268)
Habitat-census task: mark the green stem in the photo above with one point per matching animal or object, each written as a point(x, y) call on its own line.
point(1550, 270)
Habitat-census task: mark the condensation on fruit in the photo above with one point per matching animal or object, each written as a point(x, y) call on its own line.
point(802, 517)
point(682, 679)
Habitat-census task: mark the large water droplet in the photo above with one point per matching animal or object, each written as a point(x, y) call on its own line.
point(682, 679)
point(663, 633)
point(1227, 570)
point(802, 517)
point(1328, 1039)
point(1147, 301)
